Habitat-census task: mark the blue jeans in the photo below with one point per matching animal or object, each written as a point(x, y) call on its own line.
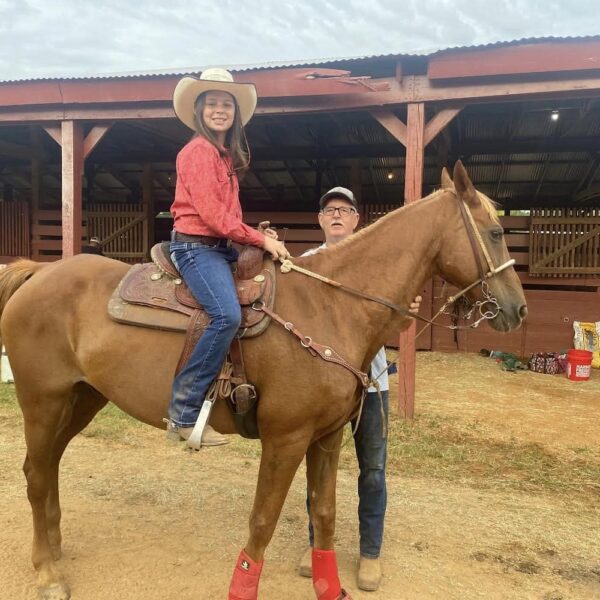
point(207, 272)
point(371, 452)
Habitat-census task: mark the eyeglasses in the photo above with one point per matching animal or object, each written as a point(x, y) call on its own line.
point(343, 211)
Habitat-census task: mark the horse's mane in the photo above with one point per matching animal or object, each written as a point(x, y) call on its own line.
point(486, 203)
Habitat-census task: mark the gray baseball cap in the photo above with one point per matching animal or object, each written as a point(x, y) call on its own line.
point(338, 192)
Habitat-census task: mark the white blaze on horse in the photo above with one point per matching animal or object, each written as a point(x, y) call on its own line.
point(69, 358)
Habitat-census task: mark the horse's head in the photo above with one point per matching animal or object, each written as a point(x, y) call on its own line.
point(462, 260)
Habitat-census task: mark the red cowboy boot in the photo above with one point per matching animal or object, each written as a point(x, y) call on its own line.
point(246, 575)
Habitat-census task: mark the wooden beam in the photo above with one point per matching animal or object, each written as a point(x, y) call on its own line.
point(413, 187)
point(415, 152)
point(72, 184)
point(310, 81)
point(144, 102)
point(398, 129)
point(93, 137)
point(516, 59)
point(391, 122)
point(418, 88)
point(439, 122)
point(55, 132)
point(48, 116)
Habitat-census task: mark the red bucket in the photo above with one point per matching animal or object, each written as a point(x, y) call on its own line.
point(579, 365)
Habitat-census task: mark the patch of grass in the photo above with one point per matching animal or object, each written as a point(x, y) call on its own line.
point(8, 397)
point(111, 423)
point(454, 450)
point(432, 446)
point(244, 447)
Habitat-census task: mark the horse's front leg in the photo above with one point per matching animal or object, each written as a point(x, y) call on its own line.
point(321, 472)
point(278, 465)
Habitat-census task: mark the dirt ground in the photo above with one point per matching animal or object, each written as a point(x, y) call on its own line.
point(143, 519)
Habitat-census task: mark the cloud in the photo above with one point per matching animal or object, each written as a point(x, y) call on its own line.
point(86, 37)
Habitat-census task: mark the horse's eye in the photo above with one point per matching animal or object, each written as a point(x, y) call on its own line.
point(497, 234)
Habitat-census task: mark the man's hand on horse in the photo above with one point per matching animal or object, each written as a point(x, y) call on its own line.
point(415, 304)
point(270, 232)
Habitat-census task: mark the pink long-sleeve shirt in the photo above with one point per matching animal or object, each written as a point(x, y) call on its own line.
point(207, 196)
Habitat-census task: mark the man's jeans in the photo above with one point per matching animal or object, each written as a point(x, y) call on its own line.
point(207, 272)
point(371, 452)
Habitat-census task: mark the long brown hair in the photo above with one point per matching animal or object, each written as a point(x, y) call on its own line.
point(235, 139)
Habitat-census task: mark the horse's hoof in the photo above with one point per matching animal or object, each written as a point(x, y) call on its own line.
point(56, 591)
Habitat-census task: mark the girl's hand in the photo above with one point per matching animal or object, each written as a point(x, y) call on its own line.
point(271, 233)
point(276, 248)
point(415, 304)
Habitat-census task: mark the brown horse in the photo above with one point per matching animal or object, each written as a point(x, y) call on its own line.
point(69, 359)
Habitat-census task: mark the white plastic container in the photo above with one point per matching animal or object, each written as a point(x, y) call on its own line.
point(6, 374)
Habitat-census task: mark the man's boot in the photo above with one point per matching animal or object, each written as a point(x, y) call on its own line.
point(369, 574)
point(305, 566)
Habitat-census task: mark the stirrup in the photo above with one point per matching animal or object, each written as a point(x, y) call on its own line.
point(194, 442)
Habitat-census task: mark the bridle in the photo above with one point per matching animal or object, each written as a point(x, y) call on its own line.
point(329, 354)
point(488, 307)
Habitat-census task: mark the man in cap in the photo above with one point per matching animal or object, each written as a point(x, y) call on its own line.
point(338, 218)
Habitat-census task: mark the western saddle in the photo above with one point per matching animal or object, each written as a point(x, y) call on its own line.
point(154, 295)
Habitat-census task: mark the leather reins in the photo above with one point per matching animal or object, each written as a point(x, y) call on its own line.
point(477, 245)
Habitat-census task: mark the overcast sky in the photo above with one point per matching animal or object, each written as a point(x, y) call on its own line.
point(40, 38)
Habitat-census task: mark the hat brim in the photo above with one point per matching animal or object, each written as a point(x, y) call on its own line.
point(337, 194)
point(189, 88)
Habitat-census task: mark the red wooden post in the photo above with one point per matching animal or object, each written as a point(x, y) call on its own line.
point(413, 188)
point(72, 184)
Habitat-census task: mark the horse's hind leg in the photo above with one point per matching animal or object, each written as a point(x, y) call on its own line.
point(278, 465)
point(42, 423)
point(87, 404)
point(321, 471)
point(47, 433)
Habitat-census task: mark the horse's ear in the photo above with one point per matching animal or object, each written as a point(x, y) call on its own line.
point(446, 181)
point(464, 186)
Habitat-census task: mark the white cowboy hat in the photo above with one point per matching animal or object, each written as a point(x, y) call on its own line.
point(189, 88)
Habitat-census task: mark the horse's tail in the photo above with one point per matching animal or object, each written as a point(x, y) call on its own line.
point(14, 276)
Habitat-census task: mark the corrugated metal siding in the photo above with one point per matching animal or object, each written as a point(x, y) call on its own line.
point(286, 64)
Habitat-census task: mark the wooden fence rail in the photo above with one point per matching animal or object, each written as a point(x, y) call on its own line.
point(14, 230)
point(564, 242)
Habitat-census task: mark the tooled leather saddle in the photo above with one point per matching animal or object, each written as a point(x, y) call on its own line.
point(154, 295)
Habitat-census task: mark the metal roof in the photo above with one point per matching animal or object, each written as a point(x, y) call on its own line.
point(286, 64)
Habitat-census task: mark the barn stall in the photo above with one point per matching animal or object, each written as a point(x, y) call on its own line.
point(95, 157)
